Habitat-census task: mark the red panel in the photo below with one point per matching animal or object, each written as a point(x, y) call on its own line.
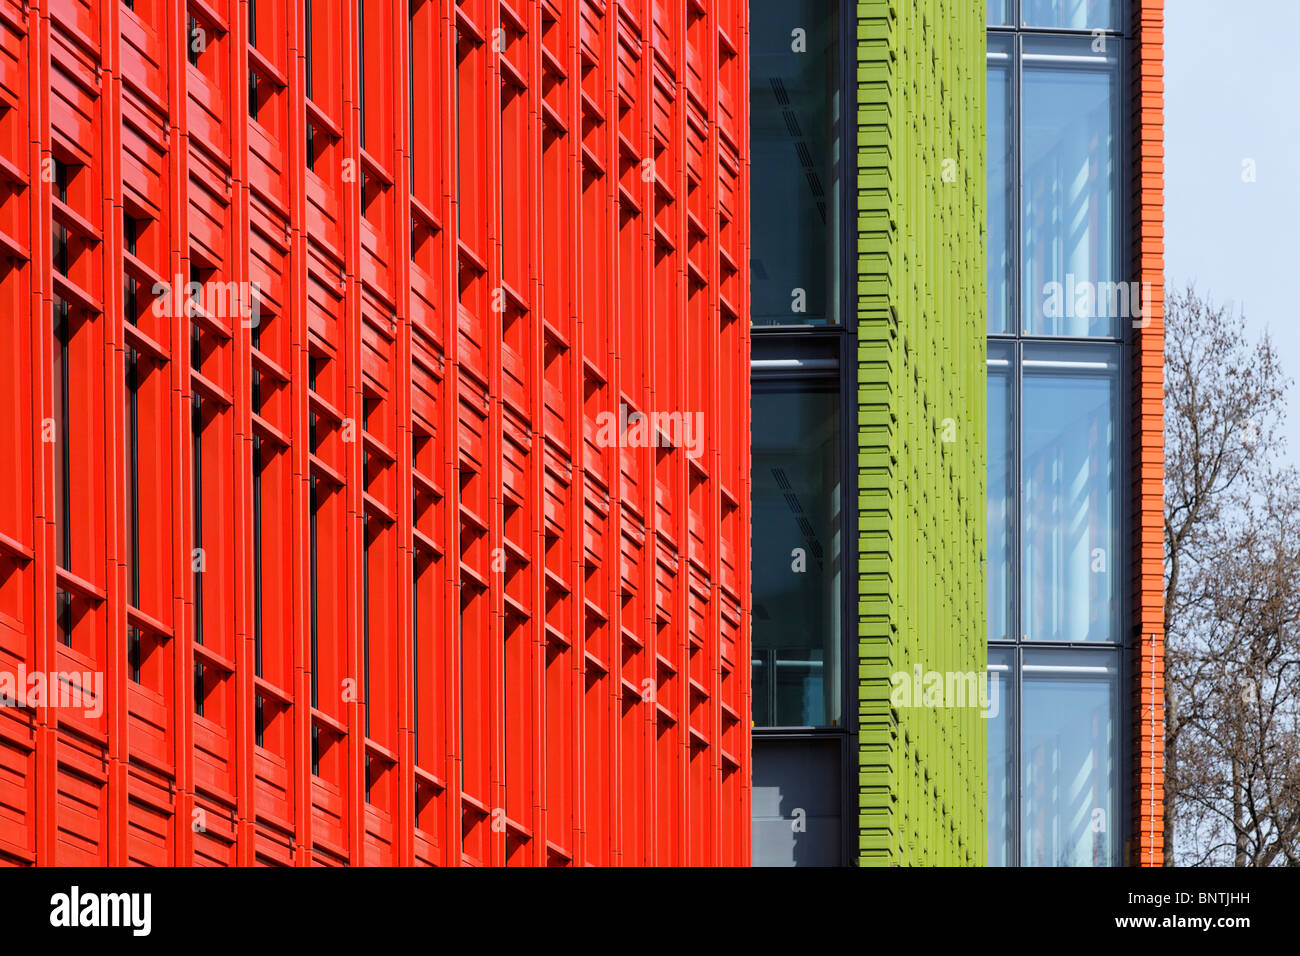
point(416, 531)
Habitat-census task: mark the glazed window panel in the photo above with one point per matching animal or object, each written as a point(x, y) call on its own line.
point(1069, 511)
point(1001, 494)
point(798, 561)
point(1069, 788)
point(1070, 179)
point(1001, 180)
point(1067, 14)
point(795, 142)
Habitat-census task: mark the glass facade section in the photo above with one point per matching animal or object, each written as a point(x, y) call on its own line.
point(802, 338)
point(798, 566)
point(1060, 308)
point(1069, 187)
point(1068, 512)
point(795, 162)
point(1069, 805)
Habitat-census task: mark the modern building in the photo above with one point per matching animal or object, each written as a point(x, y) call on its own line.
point(875, 573)
point(375, 420)
point(381, 378)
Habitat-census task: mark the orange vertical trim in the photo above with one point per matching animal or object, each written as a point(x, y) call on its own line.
point(1148, 661)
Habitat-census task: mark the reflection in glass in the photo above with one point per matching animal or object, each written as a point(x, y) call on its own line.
point(794, 145)
point(1069, 201)
point(1068, 513)
point(1068, 798)
point(1068, 14)
point(998, 114)
point(1000, 496)
point(999, 12)
point(1001, 756)
point(797, 554)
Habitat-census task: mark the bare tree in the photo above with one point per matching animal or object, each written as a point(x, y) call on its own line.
point(1238, 672)
point(1231, 573)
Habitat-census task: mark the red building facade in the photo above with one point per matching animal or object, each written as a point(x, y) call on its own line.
point(375, 424)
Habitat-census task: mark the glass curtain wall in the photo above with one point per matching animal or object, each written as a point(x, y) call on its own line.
point(800, 337)
point(1059, 308)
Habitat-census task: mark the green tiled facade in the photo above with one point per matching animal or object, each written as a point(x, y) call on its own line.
point(921, 424)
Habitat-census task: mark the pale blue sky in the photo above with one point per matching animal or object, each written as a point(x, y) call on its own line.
point(1232, 93)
